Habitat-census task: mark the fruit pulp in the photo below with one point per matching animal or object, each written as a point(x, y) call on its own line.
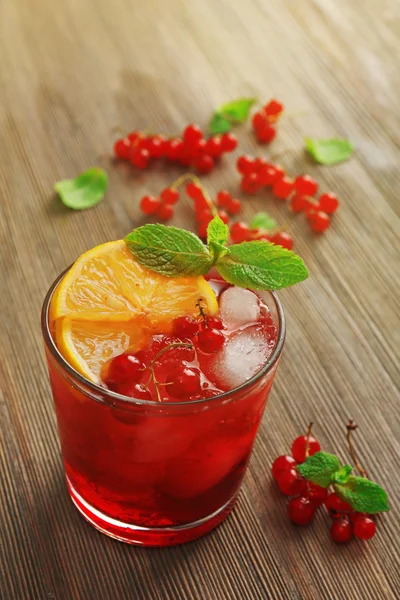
point(162, 473)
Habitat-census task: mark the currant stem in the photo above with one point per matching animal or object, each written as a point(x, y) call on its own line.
point(310, 426)
point(351, 426)
point(155, 359)
point(201, 310)
point(192, 177)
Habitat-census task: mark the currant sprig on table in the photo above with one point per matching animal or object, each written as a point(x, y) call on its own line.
point(314, 478)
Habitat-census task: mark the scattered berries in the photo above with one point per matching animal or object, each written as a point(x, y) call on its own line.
point(282, 463)
point(301, 511)
point(149, 205)
point(336, 506)
point(299, 447)
point(328, 203)
point(281, 238)
point(319, 221)
point(341, 531)
point(264, 119)
point(290, 482)
point(364, 527)
point(305, 185)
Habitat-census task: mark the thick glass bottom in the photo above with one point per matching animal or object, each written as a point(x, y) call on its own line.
point(149, 536)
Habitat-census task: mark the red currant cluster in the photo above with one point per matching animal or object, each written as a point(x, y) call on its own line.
point(241, 232)
point(258, 173)
point(263, 121)
point(163, 206)
point(308, 496)
point(192, 149)
point(205, 209)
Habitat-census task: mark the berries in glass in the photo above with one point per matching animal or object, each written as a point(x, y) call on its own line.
point(183, 383)
point(125, 367)
point(299, 447)
point(185, 327)
point(210, 340)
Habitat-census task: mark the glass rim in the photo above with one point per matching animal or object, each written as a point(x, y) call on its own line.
point(95, 388)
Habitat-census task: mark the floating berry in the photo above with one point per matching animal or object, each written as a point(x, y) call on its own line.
point(290, 483)
point(224, 198)
point(282, 463)
point(364, 527)
point(149, 205)
point(140, 158)
point(273, 109)
point(223, 216)
point(122, 148)
point(169, 196)
point(204, 164)
point(328, 203)
point(283, 188)
point(266, 134)
point(299, 447)
point(165, 212)
point(133, 390)
point(183, 383)
point(125, 367)
point(298, 203)
point(316, 494)
point(336, 506)
point(239, 232)
point(301, 511)
point(281, 238)
point(305, 185)
point(244, 164)
point(192, 135)
point(229, 142)
point(234, 206)
point(319, 221)
point(215, 322)
point(341, 531)
point(250, 183)
point(210, 340)
point(185, 327)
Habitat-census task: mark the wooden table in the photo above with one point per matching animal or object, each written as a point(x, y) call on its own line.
point(70, 73)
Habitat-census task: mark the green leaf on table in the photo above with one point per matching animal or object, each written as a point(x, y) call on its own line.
point(260, 265)
point(262, 220)
point(363, 495)
point(330, 151)
point(236, 111)
point(319, 468)
point(219, 123)
point(217, 236)
point(84, 191)
point(169, 250)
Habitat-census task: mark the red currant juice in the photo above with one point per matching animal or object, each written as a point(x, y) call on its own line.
point(165, 472)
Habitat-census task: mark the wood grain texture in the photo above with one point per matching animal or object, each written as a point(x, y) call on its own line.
point(70, 72)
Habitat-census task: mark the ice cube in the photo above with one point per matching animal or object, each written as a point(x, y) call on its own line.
point(243, 354)
point(238, 307)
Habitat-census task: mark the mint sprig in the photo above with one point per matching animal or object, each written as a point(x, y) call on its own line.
point(362, 494)
point(229, 113)
point(179, 253)
point(84, 191)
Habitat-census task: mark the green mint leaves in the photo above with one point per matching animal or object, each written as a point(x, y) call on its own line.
point(329, 152)
point(229, 113)
point(84, 191)
point(178, 253)
point(362, 494)
point(262, 220)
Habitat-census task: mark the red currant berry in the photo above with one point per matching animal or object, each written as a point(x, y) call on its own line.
point(283, 188)
point(223, 216)
point(210, 340)
point(133, 390)
point(134, 136)
point(299, 447)
point(185, 327)
point(282, 463)
point(149, 205)
point(290, 483)
point(273, 109)
point(169, 196)
point(204, 214)
point(305, 185)
point(229, 142)
point(310, 207)
point(239, 232)
point(140, 158)
point(353, 516)
point(173, 148)
point(259, 164)
point(328, 203)
point(316, 494)
point(266, 134)
point(301, 511)
point(122, 148)
point(298, 203)
point(165, 212)
point(244, 164)
point(250, 183)
point(259, 120)
point(202, 228)
point(282, 239)
point(214, 146)
point(319, 221)
point(336, 506)
point(364, 527)
point(183, 383)
point(125, 367)
point(204, 164)
point(194, 191)
point(192, 135)
point(156, 146)
point(215, 323)
point(234, 206)
point(341, 531)
point(266, 175)
point(224, 198)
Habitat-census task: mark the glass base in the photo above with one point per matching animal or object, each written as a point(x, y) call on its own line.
point(149, 536)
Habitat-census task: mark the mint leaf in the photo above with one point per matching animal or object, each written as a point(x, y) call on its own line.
point(170, 251)
point(319, 468)
point(363, 495)
point(261, 266)
point(219, 123)
point(84, 191)
point(262, 220)
point(237, 110)
point(329, 152)
point(342, 475)
point(217, 231)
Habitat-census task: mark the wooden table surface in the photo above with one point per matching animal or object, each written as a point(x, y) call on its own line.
point(70, 73)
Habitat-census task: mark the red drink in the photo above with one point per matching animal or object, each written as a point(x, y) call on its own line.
point(161, 471)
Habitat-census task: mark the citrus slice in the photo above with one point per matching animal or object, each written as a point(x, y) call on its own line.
point(107, 302)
